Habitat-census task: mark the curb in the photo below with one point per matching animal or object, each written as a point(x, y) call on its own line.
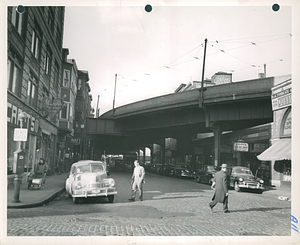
point(45, 200)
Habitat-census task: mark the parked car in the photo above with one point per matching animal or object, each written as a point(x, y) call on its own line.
point(242, 178)
point(118, 163)
point(206, 174)
point(168, 170)
point(159, 169)
point(183, 171)
point(88, 178)
point(147, 166)
point(153, 168)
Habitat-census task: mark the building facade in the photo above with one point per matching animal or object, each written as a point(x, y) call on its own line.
point(43, 87)
point(81, 142)
point(34, 73)
point(278, 155)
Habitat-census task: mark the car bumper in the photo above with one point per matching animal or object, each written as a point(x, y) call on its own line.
point(251, 186)
point(94, 192)
point(187, 175)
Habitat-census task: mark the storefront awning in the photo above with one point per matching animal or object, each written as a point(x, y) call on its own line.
point(281, 150)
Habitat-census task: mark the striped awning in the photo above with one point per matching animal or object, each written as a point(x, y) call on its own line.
point(281, 150)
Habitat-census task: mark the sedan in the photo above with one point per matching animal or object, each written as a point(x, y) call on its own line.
point(88, 178)
point(206, 174)
point(242, 178)
point(183, 171)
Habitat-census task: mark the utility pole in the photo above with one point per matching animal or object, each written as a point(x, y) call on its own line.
point(97, 110)
point(202, 81)
point(115, 94)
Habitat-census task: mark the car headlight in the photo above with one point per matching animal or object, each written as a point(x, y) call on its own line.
point(241, 179)
point(261, 181)
point(78, 186)
point(110, 183)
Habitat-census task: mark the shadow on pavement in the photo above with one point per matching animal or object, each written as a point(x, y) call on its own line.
point(258, 209)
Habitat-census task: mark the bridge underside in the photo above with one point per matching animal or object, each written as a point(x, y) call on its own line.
point(124, 134)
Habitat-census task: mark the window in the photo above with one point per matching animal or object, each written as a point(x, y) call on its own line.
point(14, 78)
point(48, 61)
point(79, 84)
point(66, 80)
point(56, 73)
point(51, 18)
point(64, 112)
point(32, 91)
point(36, 42)
point(58, 38)
point(17, 20)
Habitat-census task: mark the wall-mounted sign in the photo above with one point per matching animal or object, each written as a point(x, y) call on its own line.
point(259, 147)
point(282, 96)
point(240, 146)
point(75, 141)
point(20, 134)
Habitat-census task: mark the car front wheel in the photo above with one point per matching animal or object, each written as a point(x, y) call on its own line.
point(110, 198)
point(236, 187)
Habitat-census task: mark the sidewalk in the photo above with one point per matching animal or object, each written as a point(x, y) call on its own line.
point(55, 184)
point(283, 193)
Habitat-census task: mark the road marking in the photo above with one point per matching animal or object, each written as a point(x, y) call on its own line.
point(152, 192)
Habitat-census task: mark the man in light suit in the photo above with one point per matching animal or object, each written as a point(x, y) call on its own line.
point(137, 181)
point(221, 189)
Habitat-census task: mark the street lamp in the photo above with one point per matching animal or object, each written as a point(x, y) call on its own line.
point(18, 159)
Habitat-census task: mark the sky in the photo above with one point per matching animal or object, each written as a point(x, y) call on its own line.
point(152, 53)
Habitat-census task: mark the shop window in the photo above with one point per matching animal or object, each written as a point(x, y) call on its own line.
point(286, 125)
point(14, 76)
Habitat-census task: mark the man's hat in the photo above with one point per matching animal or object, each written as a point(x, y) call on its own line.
point(224, 165)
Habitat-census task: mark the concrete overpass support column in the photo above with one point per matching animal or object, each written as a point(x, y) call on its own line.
point(144, 155)
point(217, 139)
point(162, 153)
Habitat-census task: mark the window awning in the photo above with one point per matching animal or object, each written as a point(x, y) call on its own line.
point(281, 150)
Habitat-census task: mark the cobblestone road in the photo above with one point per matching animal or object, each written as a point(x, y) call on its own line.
point(169, 214)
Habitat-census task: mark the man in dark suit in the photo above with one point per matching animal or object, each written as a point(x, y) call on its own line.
point(221, 189)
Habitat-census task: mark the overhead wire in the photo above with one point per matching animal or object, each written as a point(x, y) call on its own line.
point(255, 43)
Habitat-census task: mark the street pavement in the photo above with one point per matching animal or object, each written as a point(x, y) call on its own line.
point(166, 214)
point(55, 184)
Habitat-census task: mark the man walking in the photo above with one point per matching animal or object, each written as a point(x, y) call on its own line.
point(137, 181)
point(221, 189)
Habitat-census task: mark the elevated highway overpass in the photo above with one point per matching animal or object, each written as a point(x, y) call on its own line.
point(231, 106)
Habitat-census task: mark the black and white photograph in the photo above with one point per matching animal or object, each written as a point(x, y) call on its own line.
point(150, 122)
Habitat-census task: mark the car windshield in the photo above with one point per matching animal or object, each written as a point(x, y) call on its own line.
point(90, 168)
point(242, 171)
